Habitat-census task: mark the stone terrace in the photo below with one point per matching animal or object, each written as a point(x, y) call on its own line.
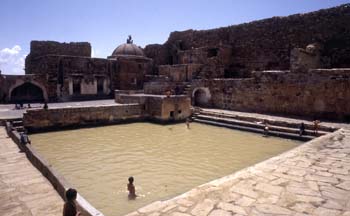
point(312, 179)
point(23, 189)
point(273, 118)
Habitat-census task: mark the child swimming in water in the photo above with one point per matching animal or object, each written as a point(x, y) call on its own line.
point(131, 188)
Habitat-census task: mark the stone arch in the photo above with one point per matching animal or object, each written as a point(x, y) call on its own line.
point(201, 97)
point(27, 91)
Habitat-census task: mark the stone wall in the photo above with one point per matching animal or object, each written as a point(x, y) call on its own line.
point(9, 84)
point(159, 108)
point(159, 88)
point(175, 108)
point(180, 72)
point(319, 93)
point(159, 54)
point(43, 48)
point(130, 72)
point(41, 119)
point(60, 72)
point(266, 44)
point(58, 182)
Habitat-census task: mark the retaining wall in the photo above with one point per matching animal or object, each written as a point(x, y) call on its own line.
point(318, 93)
point(58, 182)
point(57, 118)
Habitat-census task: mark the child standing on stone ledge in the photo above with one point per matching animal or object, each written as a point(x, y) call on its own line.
point(69, 208)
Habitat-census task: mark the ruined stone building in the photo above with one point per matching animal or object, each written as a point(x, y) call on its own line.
point(66, 71)
point(295, 65)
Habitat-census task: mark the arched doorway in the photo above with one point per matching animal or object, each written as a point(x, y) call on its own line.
point(27, 92)
point(201, 97)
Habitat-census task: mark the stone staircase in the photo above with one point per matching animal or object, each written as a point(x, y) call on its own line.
point(17, 124)
point(276, 128)
point(187, 89)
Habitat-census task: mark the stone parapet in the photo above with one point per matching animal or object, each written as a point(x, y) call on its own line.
point(57, 118)
point(60, 184)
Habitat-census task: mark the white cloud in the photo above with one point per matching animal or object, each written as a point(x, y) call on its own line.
point(95, 53)
point(92, 52)
point(12, 60)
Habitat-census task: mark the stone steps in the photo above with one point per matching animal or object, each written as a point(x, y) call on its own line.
point(286, 124)
point(259, 126)
point(255, 130)
point(187, 89)
point(17, 125)
point(253, 124)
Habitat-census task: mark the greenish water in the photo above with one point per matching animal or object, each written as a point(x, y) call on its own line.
point(165, 160)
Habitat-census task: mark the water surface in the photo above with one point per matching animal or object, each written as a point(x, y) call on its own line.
point(165, 160)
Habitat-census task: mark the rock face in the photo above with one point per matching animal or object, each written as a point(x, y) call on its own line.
point(267, 44)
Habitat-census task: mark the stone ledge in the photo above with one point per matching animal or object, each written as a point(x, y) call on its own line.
point(58, 182)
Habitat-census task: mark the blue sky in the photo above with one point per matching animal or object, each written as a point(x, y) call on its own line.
point(106, 23)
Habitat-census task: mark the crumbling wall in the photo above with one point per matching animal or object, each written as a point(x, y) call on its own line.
point(8, 83)
point(267, 44)
point(43, 48)
point(40, 119)
point(180, 72)
point(58, 72)
point(321, 93)
point(159, 53)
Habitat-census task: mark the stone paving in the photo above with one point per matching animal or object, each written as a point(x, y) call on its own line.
point(7, 111)
point(312, 179)
point(23, 190)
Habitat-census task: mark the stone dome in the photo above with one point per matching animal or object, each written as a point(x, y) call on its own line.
point(128, 49)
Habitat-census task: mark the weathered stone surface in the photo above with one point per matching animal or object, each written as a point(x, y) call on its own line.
point(268, 188)
point(219, 212)
point(168, 208)
point(184, 202)
point(276, 40)
point(326, 212)
point(303, 191)
point(152, 207)
point(272, 209)
point(339, 171)
point(334, 193)
point(347, 213)
point(303, 208)
point(24, 191)
point(331, 180)
point(245, 201)
point(330, 204)
point(271, 199)
point(233, 208)
point(203, 208)
point(179, 214)
point(345, 185)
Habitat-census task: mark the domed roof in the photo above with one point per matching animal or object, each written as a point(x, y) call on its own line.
point(128, 49)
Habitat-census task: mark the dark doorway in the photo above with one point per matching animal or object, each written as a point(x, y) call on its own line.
point(76, 87)
point(212, 52)
point(27, 93)
point(100, 82)
point(200, 98)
